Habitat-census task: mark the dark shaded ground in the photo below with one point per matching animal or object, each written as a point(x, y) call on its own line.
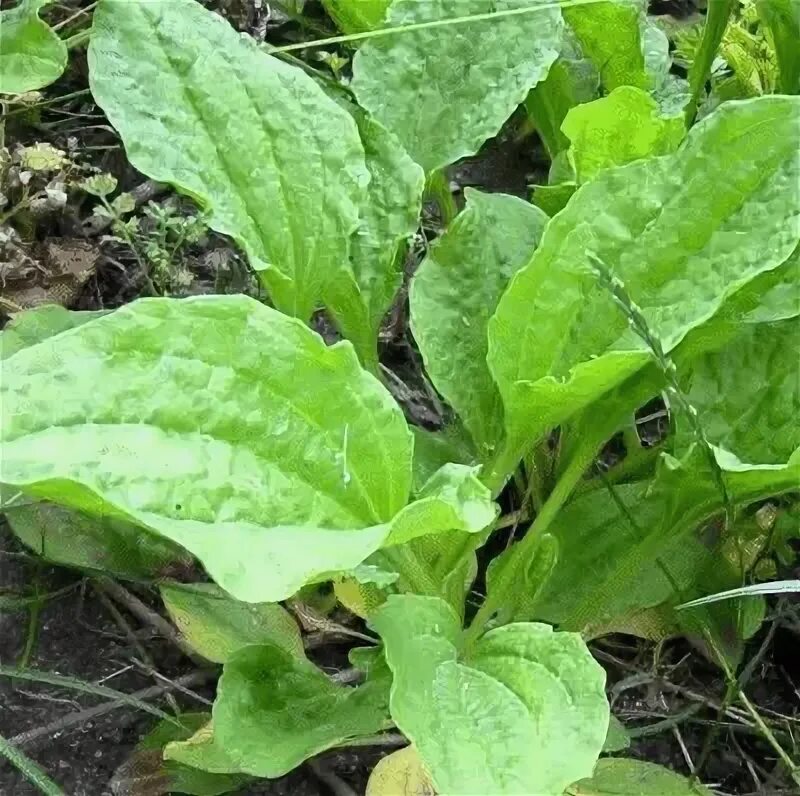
point(77, 636)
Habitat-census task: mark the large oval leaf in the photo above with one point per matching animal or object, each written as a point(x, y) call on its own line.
point(276, 162)
point(444, 90)
point(523, 712)
point(683, 232)
point(231, 429)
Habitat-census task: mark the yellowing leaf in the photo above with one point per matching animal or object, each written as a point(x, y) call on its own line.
point(216, 626)
point(400, 774)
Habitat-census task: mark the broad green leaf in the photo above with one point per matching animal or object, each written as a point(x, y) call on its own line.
point(240, 435)
point(356, 16)
point(747, 395)
point(617, 129)
point(610, 35)
point(31, 53)
point(95, 542)
point(523, 712)
point(400, 774)
point(608, 567)
point(273, 711)
point(572, 79)
point(38, 324)
point(173, 78)
point(454, 293)
point(147, 768)
point(782, 18)
point(665, 226)
point(620, 777)
point(770, 297)
point(389, 217)
point(444, 90)
point(216, 626)
point(73, 538)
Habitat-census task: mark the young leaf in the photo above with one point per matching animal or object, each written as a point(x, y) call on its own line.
point(453, 295)
point(444, 90)
point(31, 53)
point(617, 737)
point(400, 774)
point(355, 16)
point(665, 226)
point(782, 18)
point(747, 395)
point(243, 446)
point(202, 751)
point(617, 129)
point(172, 76)
point(524, 711)
point(273, 711)
point(619, 777)
point(572, 79)
point(610, 35)
point(217, 626)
